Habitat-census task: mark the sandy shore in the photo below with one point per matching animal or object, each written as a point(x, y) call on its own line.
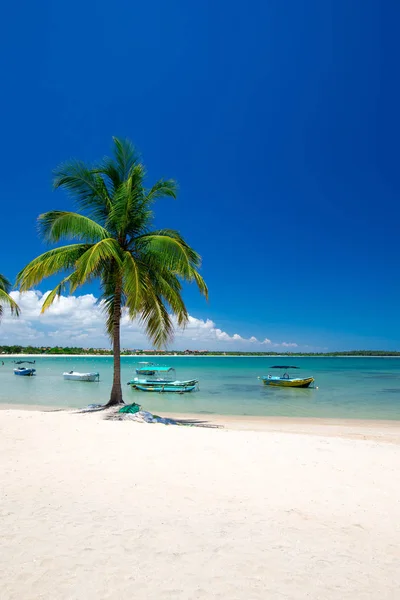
point(94, 509)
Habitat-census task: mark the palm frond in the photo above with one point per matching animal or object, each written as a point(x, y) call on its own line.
point(126, 157)
point(6, 300)
point(155, 318)
point(168, 287)
point(161, 189)
point(85, 186)
point(128, 205)
point(56, 224)
point(108, 171)
point(49, 263)
point(5, 284)
point(201, 284)
point(133, 283)
point(57, 291)
point(95, 259)
point(168, 249)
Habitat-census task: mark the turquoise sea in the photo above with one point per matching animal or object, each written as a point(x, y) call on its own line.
point(365, 388)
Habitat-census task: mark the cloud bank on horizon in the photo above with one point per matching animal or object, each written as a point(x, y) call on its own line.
point(79, 321)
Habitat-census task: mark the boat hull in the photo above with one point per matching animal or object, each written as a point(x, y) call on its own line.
point(152, 382)
point(164, 388)
point(74, 376)
point(25, 372)
point(293, 383)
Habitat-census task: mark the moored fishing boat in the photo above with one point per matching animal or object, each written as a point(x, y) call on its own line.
point(173, 387)
point(21, 362)
point(24, 371)
point(75, 376)
point(162, 380)
point(285, 380)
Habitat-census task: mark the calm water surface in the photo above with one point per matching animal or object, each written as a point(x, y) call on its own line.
point(367, 388)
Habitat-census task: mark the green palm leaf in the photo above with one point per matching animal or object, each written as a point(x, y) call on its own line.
point(97, 255)
point(162, 189)
point(57, 291)
point(133, 283)
point(50, 263)
point(86, 187)
point(176, 254)
point(57, 224)
point(169, 288)
point(155, 318)
point(5, 298)
point(125, 156)
point(128, 207)
point(5, 285)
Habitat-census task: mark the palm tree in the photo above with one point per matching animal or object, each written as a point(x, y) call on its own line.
point(5, 298)
point(139, 269)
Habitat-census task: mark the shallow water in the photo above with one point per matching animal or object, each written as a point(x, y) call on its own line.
point(364, 388)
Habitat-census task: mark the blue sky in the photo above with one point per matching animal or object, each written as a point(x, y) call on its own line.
point(278, 118)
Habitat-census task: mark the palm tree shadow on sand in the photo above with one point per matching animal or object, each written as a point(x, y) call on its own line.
point(116, 416)
point(113, 414)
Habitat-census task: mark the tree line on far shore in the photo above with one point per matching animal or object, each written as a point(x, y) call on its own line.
point(74, 350)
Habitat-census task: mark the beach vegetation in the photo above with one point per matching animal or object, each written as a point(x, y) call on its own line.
point(140, 269)
point(75, 350)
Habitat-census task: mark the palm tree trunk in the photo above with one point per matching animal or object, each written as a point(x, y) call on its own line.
point(116, 391)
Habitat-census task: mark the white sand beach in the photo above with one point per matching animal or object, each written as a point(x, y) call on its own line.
point(97, 510)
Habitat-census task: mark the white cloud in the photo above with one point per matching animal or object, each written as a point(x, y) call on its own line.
point(268, 342)
point(79, 321)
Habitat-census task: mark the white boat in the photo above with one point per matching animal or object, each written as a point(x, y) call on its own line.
point(75, 376)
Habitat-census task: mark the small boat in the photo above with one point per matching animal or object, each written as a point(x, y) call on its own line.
point(165, 387)
point(75, 376)
point(21, 362)
point(285, 380)
point(24, 371)
point(162, 379)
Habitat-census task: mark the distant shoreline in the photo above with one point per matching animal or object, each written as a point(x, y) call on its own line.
point(158, 356)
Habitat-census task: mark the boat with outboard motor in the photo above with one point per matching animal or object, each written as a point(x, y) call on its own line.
point(285, 380)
